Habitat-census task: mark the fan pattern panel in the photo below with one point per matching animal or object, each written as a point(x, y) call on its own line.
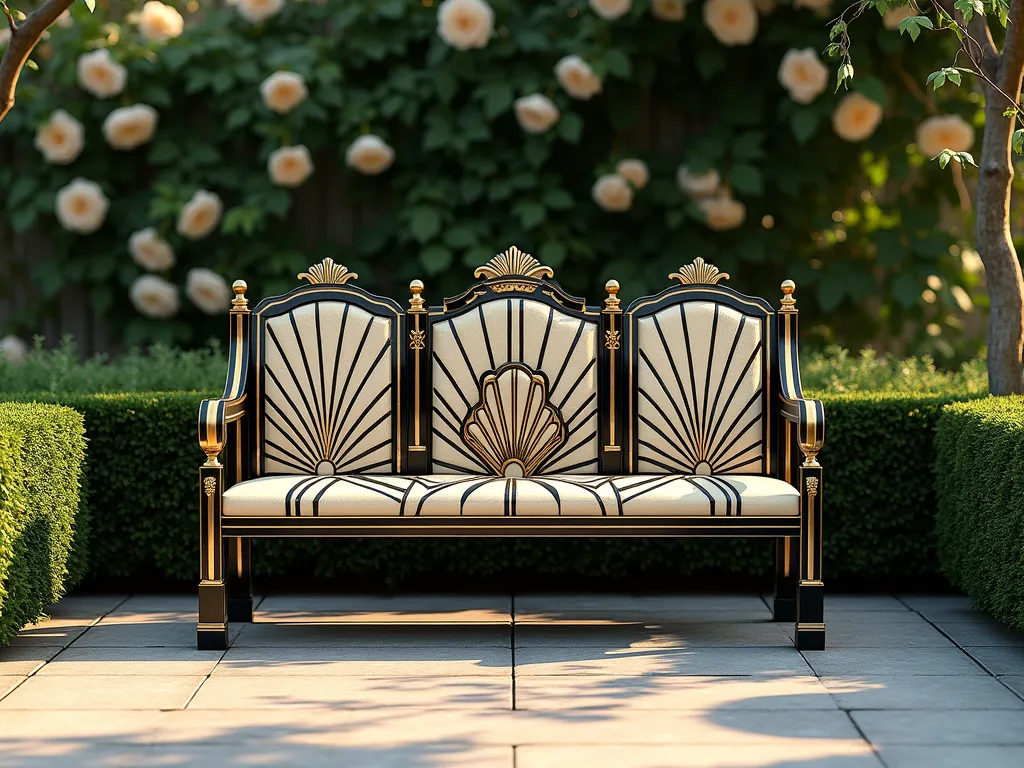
point(327, 391)
point(699, 401)
point(469, 346)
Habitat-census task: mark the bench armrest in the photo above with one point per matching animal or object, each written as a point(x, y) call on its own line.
point(808, 415)
point(214, 416)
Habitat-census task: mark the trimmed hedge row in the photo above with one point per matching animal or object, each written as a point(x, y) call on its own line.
point(879, 518)
point(42, 535)
point(980, 483)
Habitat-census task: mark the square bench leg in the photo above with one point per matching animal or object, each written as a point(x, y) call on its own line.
point(810, 591)
point(787, 565)
point(239, 579)
point(212, 629)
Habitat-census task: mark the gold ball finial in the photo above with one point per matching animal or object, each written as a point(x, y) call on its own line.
point(611, 304)
point(416, 302)
point(788, 302)
point(416, 286)
point(788, 286)
point(239, 303)
point(239, 287)
point(612, 286)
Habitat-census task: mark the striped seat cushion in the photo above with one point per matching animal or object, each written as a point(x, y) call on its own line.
point(539, 496)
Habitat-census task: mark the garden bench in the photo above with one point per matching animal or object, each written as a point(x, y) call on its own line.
point(513, 409)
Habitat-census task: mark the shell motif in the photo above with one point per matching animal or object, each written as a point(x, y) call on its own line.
point(513, 262)
point(513, 428)
point(328, 272)
point(699, 273)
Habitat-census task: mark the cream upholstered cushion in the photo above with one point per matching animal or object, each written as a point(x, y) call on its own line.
point(475, 495)
point(499, 331)
point(700, 387)
point(326, 391)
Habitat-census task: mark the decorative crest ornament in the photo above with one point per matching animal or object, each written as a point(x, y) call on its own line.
point(327, 272)
point(210, 486)
point(612, 339)
point(513, 263)
point(812, 486)
point(699, 273)
point(417, 339)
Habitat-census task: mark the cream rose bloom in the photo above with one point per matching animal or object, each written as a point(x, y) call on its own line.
point(283, 91)
point(722, 212)
point(370, 155)
point(634, 171)
point(944, 132)
point(290, 166)
point(611, 9)
point(698, 184)
point(891, 19)
point(160, 22)
point(60, 139)
point(465, 24)
point(200, 215)
point(536, 113)
point(818, 6)
point(732, 22)
point(669, 10)
point(81, 206)
point(150, 251)
point(13, 350)
point(100, 75)
point(130, 127)
point(613, 193)
point(154, 297)
point(255, 11)
point(208, 290)
point(577, 78)
point(856, 117)
point(803, 75)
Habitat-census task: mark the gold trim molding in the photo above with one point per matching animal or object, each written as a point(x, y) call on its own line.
point(513, 263)
point(328, 272)
point(506, 287)
point(699, 273)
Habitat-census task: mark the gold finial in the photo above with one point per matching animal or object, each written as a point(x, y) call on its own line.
point(239, 302)
point(699, 273)
point(327, 271)
point(611, 304)
point(513, 262)
point(788, 302)
point(416, 302)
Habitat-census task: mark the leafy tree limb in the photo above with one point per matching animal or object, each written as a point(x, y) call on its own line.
point(24, 37)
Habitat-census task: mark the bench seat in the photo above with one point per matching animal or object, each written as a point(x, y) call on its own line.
point(479, 495)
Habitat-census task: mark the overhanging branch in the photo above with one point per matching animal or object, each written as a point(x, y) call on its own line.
point(24, 38)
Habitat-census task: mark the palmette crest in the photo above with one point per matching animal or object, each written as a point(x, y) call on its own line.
point(513, 263)
point(513, 428)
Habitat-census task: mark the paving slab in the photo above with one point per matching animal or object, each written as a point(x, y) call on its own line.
point(59, 632)
point(893, 661)
point(156, 630)
point(158, 604)
point(655, 661)
point(440, 661)
point(653, 692)
point(789, 753)
point(840, 633)
point(330, 634)
point(9, 682)
point(981, 633)
point(1015, 682)
point(930, 728)
point(953, 757)
point(852, 616)
point(26, 659)
point(1000, 660)
point(88, 607)
point(131, 661)
point(863, 603)
point(612, 609)
point(950, 602)
point(118, 692)
point(921, 692)
point(484, 609)
point(648, 634)
point(243, 692)
point(35, 729)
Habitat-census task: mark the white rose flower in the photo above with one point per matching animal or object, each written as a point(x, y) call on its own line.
point(200, 215)
point(818, 6)
point(722, 212)
point(944, 132)
point(154, 297)
point(891, 19)
point(160, 22)
point(856, 117)
point(283, 91)
point(208, 291)
point(613, 193)
point(60, 139)
point(803, 75)
point(698, 184)
point(290, 166)
point(130, 127)
point(150, 251)
point(13, 350)
point(764, 7)
point(611, 9)
point(669, 10)
point(81, 206)
point(465, 24)
point(577, 78)
point(732, 22)
point(634, 171)
point(370, 155)
point(100, 75)
point(255, 11)
point(536, 113)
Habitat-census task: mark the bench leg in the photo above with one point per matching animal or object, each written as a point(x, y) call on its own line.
point(239, 577)
point(810, 596)
point(787, 565)
point(212, 630)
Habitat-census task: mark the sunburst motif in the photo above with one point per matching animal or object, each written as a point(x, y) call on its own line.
point(328, 272)
point(513, 428)
point(699, 273)
point(513, 263)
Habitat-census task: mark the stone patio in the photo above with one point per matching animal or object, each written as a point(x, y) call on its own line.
point(524, 681)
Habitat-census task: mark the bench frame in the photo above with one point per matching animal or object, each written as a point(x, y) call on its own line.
point(227, 436)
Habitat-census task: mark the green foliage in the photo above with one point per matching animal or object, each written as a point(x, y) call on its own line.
point(846, 220)
point(43, 533)
point(979, 474)
point(839, 371)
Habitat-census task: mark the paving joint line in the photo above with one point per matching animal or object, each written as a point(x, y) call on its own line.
point(512, 625)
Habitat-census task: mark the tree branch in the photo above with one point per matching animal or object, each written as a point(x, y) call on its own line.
point(23, 40)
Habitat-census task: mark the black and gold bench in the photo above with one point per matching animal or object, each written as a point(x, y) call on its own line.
point(513, 409)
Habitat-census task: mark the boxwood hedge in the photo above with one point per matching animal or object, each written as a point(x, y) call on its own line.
point(980, 484)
